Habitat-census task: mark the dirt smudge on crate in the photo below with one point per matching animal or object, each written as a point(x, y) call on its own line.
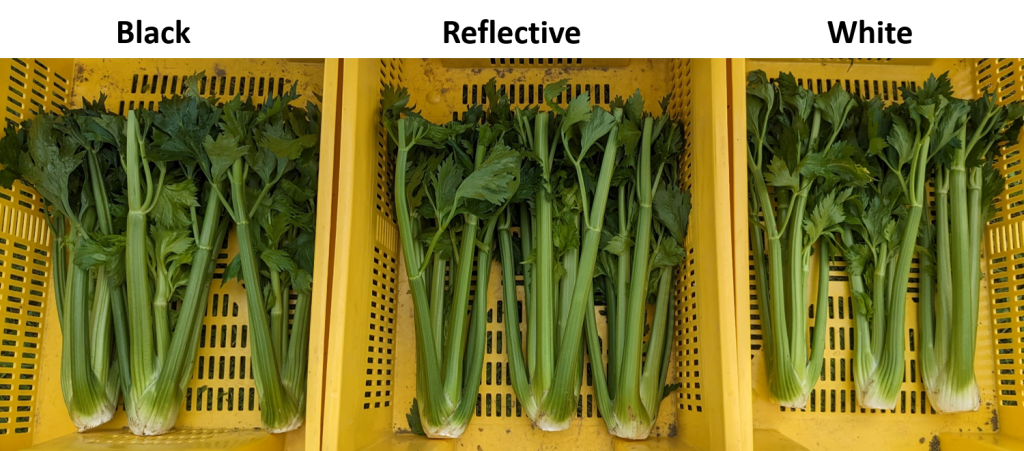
point(571, 72)
point(994, 421)
point(922, 440)
point(428, 73)
point(934, 444)
point(219, 71)
point(81, 74)
point(672, 430)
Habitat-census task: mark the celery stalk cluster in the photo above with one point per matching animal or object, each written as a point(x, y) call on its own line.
point(139, 210)
point(876, 211)
point(544, 185)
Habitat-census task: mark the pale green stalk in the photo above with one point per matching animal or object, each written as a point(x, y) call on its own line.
point(518, 373)
point(652, 381)
point(429, 380)
point(954, 388)
point(437, 300)
point(943, 316)
point(544, 372)
point(629, 410)
point(278, 316)
point(783, 383)
point(140, 316)
point(530, 277)
point(615, 352)
point(90, 400)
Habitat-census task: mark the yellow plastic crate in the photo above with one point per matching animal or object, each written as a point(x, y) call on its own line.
point(221, 410)
point(369, 374)
point(832, 420)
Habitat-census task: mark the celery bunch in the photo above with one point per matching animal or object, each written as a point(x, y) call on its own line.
point(645, 228)
point(452, 183)
point(966, 185)
point(802, 169)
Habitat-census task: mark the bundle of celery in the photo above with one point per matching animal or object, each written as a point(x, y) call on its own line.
point(880, 234)
point(174, 229)
point(270, 156)
point(576, 151)
point(636, 267)
point(73, 163)
point(966, 184)
point(452, 183)
point(801, 172)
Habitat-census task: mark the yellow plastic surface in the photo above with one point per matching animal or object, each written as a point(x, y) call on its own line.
point(832, 420)
point(27, 85)
point(979, 442)
point(562, 63)
point(219, 401)
point(178, 440)
point(372, 338)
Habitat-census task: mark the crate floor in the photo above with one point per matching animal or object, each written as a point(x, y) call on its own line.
point(182, 439)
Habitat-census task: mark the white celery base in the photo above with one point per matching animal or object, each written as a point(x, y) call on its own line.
point(950, 400)
point(873, 399)
point(149, 424)
point(87, 422)
point(632, 430)
point(546, 423)
point(799, 402)
point(444, 431)
point(291, 425)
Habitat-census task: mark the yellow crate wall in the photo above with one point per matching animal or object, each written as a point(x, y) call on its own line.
point(832, 420)
point(220, 409)
point(366, 403)
point(25, 241)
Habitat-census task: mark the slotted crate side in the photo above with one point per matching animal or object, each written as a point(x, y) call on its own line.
point(832, 411)
point(353, 417)
point(221, 398)
point(369, 400)
point(25, 246)
point(477, 63)
point(1004, 242)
